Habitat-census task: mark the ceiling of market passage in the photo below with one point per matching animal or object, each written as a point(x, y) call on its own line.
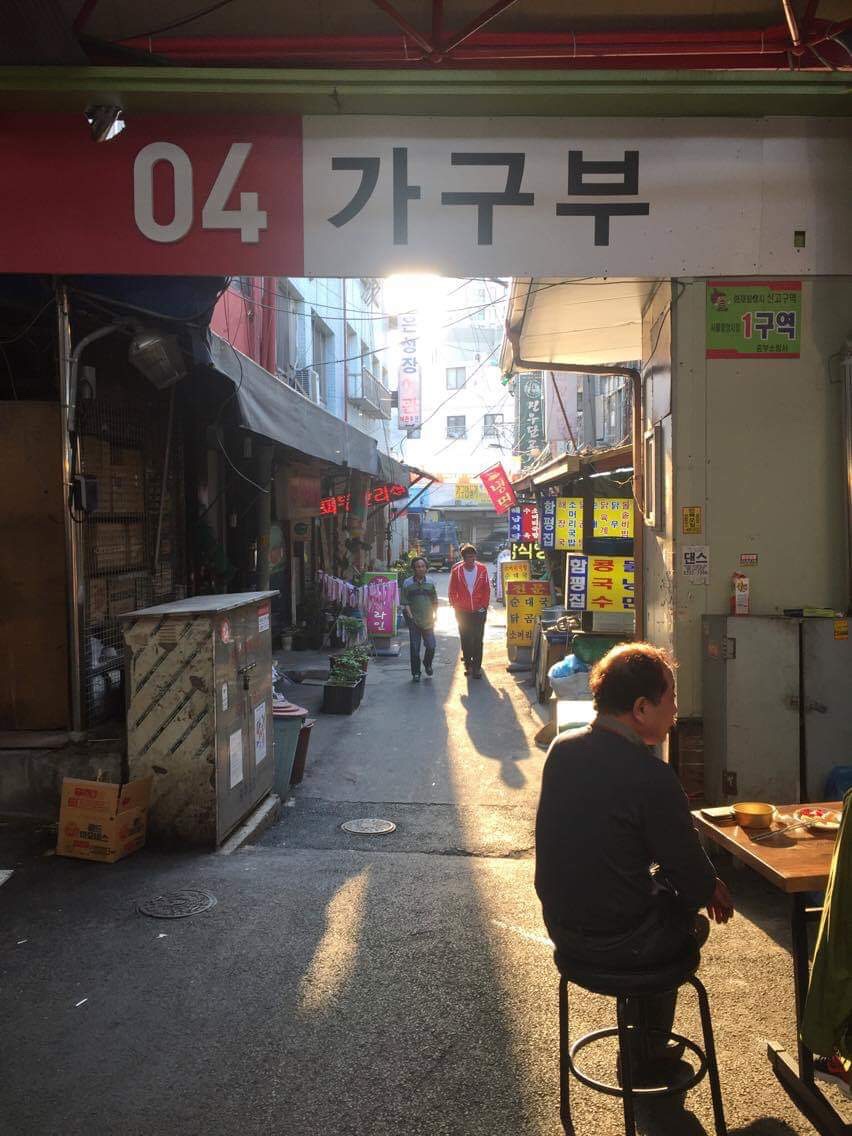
point(418, 32)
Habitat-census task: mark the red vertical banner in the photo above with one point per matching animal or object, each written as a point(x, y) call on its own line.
point(498, 487)
point(530, 523)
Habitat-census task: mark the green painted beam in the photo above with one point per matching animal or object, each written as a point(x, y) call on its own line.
point(454, 93)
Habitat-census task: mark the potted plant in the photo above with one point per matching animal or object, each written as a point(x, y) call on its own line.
point(349, 626)
point(343, 691)
point(361, 655)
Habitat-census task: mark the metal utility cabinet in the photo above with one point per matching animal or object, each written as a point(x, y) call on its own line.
point(199, 711)
point(776, 706)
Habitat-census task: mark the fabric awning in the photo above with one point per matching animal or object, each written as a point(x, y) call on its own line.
point(276, 411)
point(392, 471)
point(591, 322)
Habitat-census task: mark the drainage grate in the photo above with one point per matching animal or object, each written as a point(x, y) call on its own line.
point(176, 904)
point(369, 826)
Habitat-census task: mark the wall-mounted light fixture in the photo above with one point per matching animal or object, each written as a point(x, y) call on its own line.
point(158, 358)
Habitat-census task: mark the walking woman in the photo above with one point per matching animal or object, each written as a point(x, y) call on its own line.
point(419, 604)
point(470, 594)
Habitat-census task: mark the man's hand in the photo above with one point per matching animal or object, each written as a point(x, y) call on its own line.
point(721, 906)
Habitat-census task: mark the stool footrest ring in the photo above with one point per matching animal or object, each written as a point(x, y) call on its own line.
point(656, 1091)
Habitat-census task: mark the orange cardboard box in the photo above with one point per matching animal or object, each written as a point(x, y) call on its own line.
point(101, 820)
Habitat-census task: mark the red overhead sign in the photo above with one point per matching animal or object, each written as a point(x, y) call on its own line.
point(498, 487)
point(171, 195)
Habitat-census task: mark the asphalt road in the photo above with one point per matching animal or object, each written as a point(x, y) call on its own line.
point(351, 984)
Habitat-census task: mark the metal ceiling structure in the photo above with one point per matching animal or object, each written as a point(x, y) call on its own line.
point(418, 35)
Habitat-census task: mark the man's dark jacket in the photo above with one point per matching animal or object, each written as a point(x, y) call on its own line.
point(609, 810)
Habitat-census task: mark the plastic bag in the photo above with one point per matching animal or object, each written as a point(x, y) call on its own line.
point(570, 665)
point(574, 687)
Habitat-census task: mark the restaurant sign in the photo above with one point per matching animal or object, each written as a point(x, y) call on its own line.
point(525, 601)
point(409, 378)
point(379, 495)
point(613, 517)
point(530, 416)
point(498, 487)
point(525, 523)
point(562, 523)
point(526, 550)
point(600, 583)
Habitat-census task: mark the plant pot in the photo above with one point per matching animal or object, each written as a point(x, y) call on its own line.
point(341, 699)
point(360, 688)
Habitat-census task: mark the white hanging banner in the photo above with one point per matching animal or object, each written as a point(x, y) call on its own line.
point(576, 197)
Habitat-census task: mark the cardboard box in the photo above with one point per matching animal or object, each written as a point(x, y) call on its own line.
point(121, 595)
point(97, 463)
point(127, 491)
point(101, 820)
point(136, 545)
point(97, 596)
point(109, 548)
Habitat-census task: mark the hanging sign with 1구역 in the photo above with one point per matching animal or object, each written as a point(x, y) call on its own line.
point(525, 601)
point(600, 583)
point(613, 517)
point(754, 319)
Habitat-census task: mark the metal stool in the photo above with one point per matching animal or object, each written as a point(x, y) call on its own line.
point(622, 986)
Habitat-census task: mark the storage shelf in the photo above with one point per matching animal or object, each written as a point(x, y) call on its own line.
point(118, 572)
point(116, 664)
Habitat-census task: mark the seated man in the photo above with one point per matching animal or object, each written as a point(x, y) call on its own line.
point(619, 870)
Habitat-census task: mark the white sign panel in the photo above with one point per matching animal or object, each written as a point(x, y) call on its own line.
point(259, 733)
point(235, 758)
point(695, 561)
point(588, 197)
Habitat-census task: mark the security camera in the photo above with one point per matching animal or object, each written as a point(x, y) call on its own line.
point(105, 122)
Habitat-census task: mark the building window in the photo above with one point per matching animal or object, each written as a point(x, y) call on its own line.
point(323, 354)
point(492, 425)
point(455, 378)
point(456, 426)
point(290, 328)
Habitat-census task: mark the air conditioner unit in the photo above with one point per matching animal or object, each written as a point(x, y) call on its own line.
point(308, 382)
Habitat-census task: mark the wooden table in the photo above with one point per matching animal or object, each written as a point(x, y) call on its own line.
point(796, 863)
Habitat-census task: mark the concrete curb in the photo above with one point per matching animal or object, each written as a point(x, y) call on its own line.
point(266, 814)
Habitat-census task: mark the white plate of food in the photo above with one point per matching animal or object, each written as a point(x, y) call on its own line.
point(818, 818)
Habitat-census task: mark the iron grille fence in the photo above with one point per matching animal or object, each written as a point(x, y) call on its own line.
point(123, 446)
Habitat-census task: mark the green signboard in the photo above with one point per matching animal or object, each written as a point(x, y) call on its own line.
point(754, 319)
point(529, 417)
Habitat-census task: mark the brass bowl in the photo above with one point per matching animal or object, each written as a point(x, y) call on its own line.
point(753, 814)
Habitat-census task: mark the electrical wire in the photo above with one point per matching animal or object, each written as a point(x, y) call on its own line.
point(107, 303)
point(31, 324)
point(176, 23)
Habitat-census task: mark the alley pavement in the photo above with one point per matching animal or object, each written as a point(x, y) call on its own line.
point(343, 984)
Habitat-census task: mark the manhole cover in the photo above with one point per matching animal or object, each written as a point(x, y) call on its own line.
point(176, 904)
point(370, 826)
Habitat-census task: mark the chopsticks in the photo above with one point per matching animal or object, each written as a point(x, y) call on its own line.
point(780, 831)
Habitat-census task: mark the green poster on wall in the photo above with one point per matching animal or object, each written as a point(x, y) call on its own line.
point(754, 319)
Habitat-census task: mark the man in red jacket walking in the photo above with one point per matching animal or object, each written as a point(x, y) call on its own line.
point(469, 595)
